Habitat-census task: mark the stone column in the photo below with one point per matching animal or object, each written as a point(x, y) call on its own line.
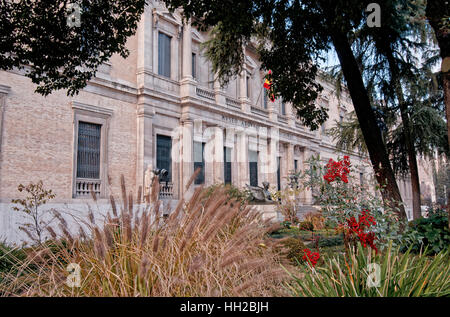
point(175, 55)
point(242, 158)
point(218, 156)
point(187, 162)
point(188, 83)
point(272, 107)
point(187, 51)
point(290, 111)
point(283, 164)
point(230, 143)
point(290, 158)
point(245, 104)
point(273, 156)
point(307, 153)
point(144, 161)
point(219, 92)
point(263, 164)
point(155, 40)
point(145, 46)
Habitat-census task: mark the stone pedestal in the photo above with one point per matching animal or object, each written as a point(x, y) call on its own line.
point(268, 210)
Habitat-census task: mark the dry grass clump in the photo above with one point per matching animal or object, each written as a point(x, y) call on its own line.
point(205, 247)
point(316, 218)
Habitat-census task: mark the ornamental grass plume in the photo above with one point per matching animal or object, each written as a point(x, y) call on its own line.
point(207, 246)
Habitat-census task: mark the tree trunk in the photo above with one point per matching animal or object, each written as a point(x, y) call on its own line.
point(370, 130)
point(436, 11)
point(413, 169)
point(412, 159)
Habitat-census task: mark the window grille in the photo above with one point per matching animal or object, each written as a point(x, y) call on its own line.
point(88, 156)
point(164, 156)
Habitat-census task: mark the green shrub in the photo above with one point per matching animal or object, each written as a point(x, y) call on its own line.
point(331, 241)
point(306, 225)
point(233, 192)
point(293, 249)
point(10, 257)
point(431, 232)
point(401, 274)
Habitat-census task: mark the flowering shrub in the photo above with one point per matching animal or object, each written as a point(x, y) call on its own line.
point(311, 257)
point(341, 198)
point(337, 169)
point(356, 230)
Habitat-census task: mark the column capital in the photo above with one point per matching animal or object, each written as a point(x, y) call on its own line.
point(186, 119)
point(145, 110)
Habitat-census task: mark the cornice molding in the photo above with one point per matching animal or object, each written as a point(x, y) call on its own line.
point(82, 106)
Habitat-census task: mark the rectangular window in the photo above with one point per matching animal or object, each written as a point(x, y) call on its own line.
point(361, 179)
point(253, 167)
point(90, 159)
point(194, 65)
point(248, 86)
point(227, 165)
point(88, 154)
point(295, 166)
point(283, 108)
point(164, 55)
point(199, 162)
point(163, 156)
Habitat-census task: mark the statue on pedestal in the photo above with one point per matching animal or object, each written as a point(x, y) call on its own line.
point(260, 194)
point(148, 178)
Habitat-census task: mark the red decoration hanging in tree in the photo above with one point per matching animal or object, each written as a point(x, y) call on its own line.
point(269, 86)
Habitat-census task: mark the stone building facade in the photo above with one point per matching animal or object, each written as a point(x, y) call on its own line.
point(158, 109)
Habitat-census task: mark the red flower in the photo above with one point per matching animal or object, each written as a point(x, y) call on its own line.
point(337, 169)
point(313, 257)
point(357, 229)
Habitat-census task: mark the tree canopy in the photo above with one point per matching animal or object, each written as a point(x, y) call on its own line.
point(58, 55)
point(291, 37)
